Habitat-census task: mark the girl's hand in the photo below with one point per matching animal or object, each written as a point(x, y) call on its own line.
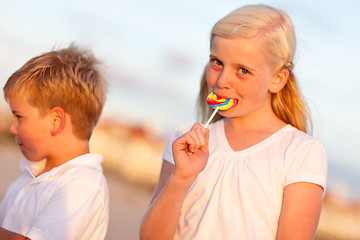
point(191, 153)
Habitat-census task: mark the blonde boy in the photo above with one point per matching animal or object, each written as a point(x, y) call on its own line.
point(56, 99)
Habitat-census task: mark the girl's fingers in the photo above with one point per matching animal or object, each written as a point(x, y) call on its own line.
point(202, 132)
point(198, 126)
point(192, 141)
point(196, 139)
point(201, 136)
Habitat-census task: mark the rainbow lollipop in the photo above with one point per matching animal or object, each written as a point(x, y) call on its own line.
point(223, 103)
point(219, 104)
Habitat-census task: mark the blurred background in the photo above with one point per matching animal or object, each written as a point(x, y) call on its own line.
point(153, 54)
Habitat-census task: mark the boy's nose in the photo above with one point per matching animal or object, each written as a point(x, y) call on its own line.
point(13, 129)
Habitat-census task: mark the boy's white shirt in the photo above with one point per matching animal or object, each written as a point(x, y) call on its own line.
point(239, 194)
point(68, 202)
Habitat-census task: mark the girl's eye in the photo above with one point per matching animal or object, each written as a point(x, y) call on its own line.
point(217, 62)
point(243, 71)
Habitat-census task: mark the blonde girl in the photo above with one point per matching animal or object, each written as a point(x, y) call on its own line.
point(255, 173)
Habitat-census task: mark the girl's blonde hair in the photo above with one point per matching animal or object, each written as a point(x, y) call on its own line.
point(276, 32)
point(69, 78)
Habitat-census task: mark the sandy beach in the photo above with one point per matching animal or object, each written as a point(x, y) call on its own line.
point(128, 202)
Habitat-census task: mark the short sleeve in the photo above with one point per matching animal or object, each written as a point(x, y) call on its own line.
point(307, 163)
point(167, 154)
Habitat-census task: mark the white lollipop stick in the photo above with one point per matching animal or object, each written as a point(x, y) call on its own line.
point(211, 117)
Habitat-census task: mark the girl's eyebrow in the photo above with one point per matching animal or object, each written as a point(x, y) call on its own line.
point(246, 67)
point(237, 65)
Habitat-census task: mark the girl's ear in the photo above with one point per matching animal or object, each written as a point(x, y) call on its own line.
point(58, 120)
point(279, 81)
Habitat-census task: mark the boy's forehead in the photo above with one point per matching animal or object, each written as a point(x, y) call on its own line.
point(21, 105)
point(18, 104)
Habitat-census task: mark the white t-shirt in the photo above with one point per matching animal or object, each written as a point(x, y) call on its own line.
point(239, 194)
point(69, 202)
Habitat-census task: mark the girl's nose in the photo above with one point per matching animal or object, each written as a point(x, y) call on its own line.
point(224, 80)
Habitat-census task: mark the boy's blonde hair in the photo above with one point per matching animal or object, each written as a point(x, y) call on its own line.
point(69, 78)
point(276, 32)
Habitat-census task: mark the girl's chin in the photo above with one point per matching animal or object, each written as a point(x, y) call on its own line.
point(227, 113)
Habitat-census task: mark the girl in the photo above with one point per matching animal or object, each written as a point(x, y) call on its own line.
point(255, 173)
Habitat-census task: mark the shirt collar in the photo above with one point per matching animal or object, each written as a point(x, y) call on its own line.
point(33, 168)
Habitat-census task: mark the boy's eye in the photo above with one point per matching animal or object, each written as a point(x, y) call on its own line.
point(243, 71)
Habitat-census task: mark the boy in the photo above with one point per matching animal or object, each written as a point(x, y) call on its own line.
point(56, 99)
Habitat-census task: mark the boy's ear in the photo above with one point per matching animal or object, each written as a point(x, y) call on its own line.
point(58, 120)
point(279, 81)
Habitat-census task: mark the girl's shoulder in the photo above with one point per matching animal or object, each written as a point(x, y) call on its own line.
point(295, 135)
point(295, 140)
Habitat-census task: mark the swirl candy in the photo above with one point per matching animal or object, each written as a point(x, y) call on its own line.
point(223, 103)
point(219, 104)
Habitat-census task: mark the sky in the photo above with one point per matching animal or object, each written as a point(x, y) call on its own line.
point(154, 52)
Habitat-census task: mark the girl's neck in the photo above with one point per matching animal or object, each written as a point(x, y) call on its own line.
point(243, 133)
point(244, 125)
point(262, 120)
